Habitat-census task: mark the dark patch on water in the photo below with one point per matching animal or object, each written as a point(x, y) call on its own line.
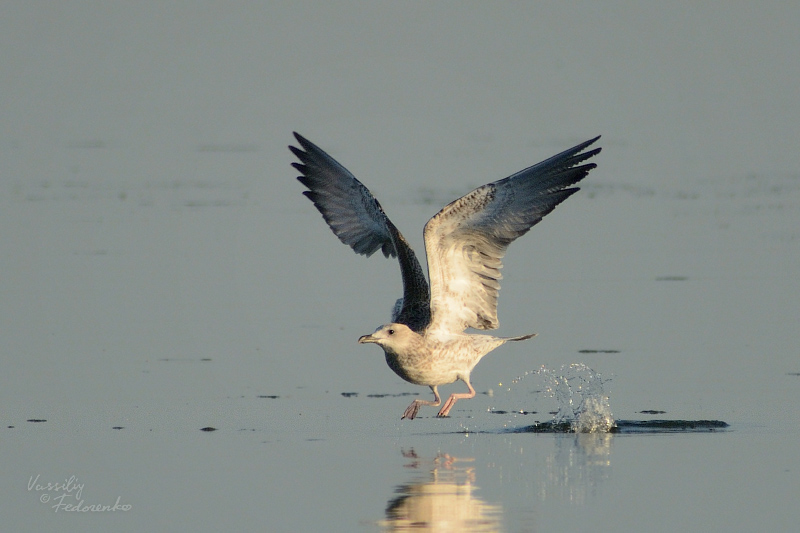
point(118, 427)
point(793, 373)
point(37, 420)
point(183, 360)
point(208, 428)
point(598, 351)
point(501, 412)
point(269, 396)
point(669, 426)
point(627, 427)
point(652, 412)
point(350, 394)
point(397, 395)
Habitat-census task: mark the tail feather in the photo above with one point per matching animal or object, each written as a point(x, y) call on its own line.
point(521, 337)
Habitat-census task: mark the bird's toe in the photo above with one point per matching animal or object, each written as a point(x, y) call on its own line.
point(411, 411)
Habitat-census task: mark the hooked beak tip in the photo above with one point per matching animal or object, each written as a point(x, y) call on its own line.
point(366, 338)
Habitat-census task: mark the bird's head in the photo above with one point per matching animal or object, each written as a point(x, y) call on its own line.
point(396, 338)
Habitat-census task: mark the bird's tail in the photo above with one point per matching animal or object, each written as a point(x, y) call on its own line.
point(521, 337)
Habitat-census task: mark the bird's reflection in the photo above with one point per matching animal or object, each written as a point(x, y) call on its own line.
point(442, 499)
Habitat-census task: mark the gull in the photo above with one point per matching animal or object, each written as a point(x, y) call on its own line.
point(425, 343)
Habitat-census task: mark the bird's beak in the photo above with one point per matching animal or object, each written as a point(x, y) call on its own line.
point(366, 338)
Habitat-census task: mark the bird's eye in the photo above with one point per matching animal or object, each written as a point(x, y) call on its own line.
point(390, 332)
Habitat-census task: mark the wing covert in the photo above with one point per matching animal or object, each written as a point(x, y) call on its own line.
point(467, 240)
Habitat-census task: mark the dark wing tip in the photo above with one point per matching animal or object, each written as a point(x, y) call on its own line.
point(586, 144)
point(302, 140)
point(575, 151)
point(308, 150)
point(593, 152)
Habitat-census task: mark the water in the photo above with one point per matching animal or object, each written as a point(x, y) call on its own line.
point(582, 405)
point(582, 402)
point(578, 402)
point(163, 275)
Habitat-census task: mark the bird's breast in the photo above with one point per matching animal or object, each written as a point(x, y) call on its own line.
point(422, 369)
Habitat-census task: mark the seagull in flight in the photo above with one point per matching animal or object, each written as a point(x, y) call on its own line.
point(425, 343)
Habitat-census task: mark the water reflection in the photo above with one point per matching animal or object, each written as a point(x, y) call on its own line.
point(442, 498)
point(579, 464)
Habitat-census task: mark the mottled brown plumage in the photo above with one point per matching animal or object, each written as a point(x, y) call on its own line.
point(425, 343)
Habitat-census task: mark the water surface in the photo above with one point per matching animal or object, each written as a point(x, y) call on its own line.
point(163, 274)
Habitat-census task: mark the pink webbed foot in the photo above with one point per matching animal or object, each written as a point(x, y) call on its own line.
point(445, 410)
point(451, 401)
point(413, 409)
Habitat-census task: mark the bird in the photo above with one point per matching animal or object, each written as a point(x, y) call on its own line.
point(426, 342)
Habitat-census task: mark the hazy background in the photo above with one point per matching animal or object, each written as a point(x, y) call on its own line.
point(156, 249)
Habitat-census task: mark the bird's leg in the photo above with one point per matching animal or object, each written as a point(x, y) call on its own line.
point(411, 411)
point(451, 401)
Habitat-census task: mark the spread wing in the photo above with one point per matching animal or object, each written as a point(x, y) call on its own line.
point(356, 217)
point(468, 238)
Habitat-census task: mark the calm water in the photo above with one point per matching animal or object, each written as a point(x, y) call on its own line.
point(163, 274)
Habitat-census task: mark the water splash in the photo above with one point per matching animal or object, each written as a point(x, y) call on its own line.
point(582, 402)
point(582, 405)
